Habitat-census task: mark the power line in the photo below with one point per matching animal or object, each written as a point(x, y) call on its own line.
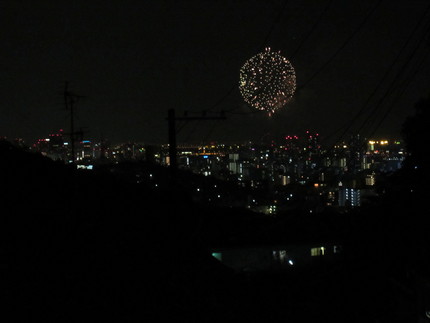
point(214, 125)
point(343, 45)
point(234, 86)
point(263, 45)
point(359, 27)
point(304, 39)
point(275, 22)
point(404, 86)
point(393, 83)
point(386, 74)
point(317, 22)
point(172, 119)
point(70, 101)
point(181, 127)
point(391, 89)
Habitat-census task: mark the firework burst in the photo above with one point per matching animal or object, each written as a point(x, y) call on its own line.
point(267, 81)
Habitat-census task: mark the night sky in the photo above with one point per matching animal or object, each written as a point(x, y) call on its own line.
point(133, 60)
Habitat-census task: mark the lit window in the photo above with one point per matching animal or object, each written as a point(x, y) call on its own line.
point(217, 255)
point(280, 256)
point(319, 251)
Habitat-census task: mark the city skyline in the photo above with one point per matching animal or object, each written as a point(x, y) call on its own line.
point(215, 160)
point(265, 140)
point(132, 62)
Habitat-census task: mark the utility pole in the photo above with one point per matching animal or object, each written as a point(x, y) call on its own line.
point(171, 118)
point(172, 140)
point(69, 100)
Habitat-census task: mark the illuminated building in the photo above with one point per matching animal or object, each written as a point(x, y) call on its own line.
point(19, 142)
point(85, 151)
point(233, 164)
point(349, 197)
point(42, 146)
point(376, 145)
point(52, 147)
point(370, 179)
point(355, 154)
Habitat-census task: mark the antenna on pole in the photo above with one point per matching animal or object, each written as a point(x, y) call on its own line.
point(70, 100)
point(172, 141)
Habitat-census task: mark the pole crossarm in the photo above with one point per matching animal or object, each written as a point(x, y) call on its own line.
point(220, 117)
point(172, 118)
point(199, 118)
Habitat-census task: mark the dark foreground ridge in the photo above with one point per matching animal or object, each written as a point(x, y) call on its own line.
point(89, 246)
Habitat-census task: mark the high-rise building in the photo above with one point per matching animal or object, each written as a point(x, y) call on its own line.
point(85, 151)
point(349, 197)
point(233, 164)
point(57, 150)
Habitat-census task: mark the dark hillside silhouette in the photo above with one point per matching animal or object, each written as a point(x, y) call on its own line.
point(83, 245)
point(389, 239)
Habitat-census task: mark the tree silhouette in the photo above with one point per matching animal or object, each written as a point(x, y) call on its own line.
point(415, 133)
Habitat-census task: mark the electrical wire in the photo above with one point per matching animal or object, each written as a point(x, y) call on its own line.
point(400, 93)
point(234, 86)
point(349, 125)
point(193, 130)
point(344, 44)
point(214, 125)
point(313, 28)
point(392, 85)
point(263, 45)
point(272, 28)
